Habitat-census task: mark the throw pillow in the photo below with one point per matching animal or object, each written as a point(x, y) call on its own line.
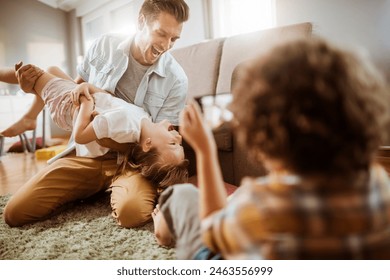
point(18, 146)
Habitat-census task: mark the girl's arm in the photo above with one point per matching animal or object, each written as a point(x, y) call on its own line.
point(212, 192)
point(84, 132)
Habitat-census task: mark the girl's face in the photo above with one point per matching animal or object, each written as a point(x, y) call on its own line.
point(156, 37)
point(168, 142)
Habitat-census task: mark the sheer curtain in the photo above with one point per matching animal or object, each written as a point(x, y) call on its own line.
point(231, 17)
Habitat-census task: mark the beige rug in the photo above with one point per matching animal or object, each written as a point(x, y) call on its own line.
point(83, 231)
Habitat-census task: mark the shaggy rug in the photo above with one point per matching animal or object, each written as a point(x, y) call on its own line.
point(83, 231)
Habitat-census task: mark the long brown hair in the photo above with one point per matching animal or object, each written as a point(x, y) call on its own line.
point(150, 165)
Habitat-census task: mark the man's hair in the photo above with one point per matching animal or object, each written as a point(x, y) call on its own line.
point(149, 164)
point(177, 8)
point(316, 108)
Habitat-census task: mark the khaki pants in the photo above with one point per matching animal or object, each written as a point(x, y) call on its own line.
point(73, 178)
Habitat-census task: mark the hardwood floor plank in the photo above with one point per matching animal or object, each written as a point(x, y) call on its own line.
point(16, 169)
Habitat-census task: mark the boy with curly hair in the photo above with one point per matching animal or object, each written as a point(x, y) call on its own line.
point(315, 116)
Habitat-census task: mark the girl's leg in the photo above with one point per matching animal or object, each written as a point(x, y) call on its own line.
point(56, 71)
point(29, 119)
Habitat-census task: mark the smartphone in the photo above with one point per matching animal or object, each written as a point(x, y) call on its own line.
point(215, 108)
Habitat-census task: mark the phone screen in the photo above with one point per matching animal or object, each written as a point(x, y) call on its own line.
point(215, 108)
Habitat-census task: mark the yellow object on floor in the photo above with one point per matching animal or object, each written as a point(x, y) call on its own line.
point(49, 152)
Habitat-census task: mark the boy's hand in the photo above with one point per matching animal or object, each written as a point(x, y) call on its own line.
point(194, 130)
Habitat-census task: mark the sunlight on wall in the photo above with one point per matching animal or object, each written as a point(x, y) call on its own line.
point(92, 30)
point(45, 54)
point(3, 86)
point(123, 20)
point(114, 17)
point(233, 17)
point(2, 54)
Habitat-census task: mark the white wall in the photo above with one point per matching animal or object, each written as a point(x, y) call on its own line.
point(194, 30)
point(357, 23)
point(32, 32)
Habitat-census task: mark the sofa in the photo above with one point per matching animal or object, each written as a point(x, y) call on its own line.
point(209, 66)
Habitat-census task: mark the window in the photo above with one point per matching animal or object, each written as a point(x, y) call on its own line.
point(231, 17)
point(114, 17)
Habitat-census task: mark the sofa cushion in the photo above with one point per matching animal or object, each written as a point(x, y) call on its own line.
point(246, 46)
point(201, 64)
point(223, 137)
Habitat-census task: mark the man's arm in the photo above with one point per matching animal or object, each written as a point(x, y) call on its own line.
point(7, 75)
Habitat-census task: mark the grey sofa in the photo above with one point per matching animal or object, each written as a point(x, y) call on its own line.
point(209, 66)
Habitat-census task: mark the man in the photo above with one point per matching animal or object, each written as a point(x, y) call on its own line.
point(138, 70)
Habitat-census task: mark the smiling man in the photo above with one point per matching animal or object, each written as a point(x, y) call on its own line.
point(138, 70)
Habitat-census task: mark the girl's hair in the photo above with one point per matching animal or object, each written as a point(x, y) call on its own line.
point(314, 107)
point(177, 8)
point(150, 165)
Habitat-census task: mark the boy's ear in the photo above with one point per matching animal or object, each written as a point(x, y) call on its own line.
point(147, 145)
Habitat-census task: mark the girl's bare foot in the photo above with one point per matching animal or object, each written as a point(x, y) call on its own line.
point(19, 127)
point(161, 231)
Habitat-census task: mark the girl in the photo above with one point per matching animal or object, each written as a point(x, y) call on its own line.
point(156, 150)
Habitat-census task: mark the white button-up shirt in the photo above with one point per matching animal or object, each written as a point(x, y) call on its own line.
point(162, 91)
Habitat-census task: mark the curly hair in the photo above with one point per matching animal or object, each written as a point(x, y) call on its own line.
point(149, 165)
point(313, 106)
point(178, 8)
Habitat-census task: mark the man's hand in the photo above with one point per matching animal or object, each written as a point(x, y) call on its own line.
point(27, 75)
point(82, 89)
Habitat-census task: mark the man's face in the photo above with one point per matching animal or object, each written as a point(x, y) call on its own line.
point(155, 37)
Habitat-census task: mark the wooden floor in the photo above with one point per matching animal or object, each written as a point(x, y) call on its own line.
point(16, 169)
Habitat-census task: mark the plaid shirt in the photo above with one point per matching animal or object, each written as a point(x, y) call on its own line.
point(278, 218)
